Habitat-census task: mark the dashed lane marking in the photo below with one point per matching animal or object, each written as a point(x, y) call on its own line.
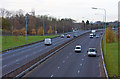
point(80, 64)
point(63, 61)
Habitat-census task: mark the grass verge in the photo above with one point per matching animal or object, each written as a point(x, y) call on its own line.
point(13, 41)
point(111, 58)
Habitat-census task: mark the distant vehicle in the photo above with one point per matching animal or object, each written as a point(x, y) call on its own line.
point(101, 33)
point(78, 48)
point(94, 32)
point(97, 36)
point(75, 35)
point(48, 41)
point(113, 28)
point(65, 33)
point(92, 52)
point(68, 36)
point(91, 35)
point(62, 36)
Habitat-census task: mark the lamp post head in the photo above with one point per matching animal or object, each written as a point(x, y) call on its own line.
point(94, 8)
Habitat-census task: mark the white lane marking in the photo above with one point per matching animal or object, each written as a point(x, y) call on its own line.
point(63, 61)
point(26, 56)
point(82, 59)
point(58, 67)
point(51, 76)
point(67, 56)
point(16, 60)
point(80, 64)
point(78, 71)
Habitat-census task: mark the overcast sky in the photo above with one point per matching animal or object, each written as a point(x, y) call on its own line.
point(75, 9)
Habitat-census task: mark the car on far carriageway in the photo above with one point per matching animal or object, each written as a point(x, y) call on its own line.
point(62, 36)
point(48, 41)
point(75, 35)
point(77, 48)
point(92, 52)
point(68, 36)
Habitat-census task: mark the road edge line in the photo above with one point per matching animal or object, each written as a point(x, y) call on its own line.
point(105, 70)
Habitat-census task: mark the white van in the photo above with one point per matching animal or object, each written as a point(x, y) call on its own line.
point(91, 35)
point(48, 41)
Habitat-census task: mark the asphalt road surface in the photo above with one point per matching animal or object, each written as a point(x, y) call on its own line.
point(15, 58)
point(67, 63)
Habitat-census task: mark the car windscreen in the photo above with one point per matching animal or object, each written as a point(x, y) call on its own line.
point(92, 50)
point(77, 48)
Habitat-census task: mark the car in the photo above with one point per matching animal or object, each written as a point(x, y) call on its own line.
point(77, 48)
point(97, 36)
point(68, 36)
point(62, 36)
point(75, 35)
point(91, 35)
point(48, 41)
point(92, 52)
point(101, 33)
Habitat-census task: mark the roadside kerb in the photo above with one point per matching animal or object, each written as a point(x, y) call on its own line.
point(105, 70)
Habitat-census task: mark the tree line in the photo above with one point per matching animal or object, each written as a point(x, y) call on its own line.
point(15, 22)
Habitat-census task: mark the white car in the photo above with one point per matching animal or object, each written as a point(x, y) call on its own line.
point(68, 36)
point(62, 35)
point(97, 36)
point(91, 35)
point(92, 52)
point(48, 41)
point(78, 48)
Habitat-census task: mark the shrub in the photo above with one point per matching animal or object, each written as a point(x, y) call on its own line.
point(33, 32)
point(110, 36)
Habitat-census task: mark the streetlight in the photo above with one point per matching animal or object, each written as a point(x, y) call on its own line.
point(105, 24)
point(44, 25)
point(55, 27)
point(26, 26)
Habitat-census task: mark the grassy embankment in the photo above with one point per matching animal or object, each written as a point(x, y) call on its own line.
point(13, 41)
point(111, 58)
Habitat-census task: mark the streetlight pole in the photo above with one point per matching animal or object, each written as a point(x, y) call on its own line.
point(105, 26)
point(43, 27)
point(55, 28)
point(26, 27)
